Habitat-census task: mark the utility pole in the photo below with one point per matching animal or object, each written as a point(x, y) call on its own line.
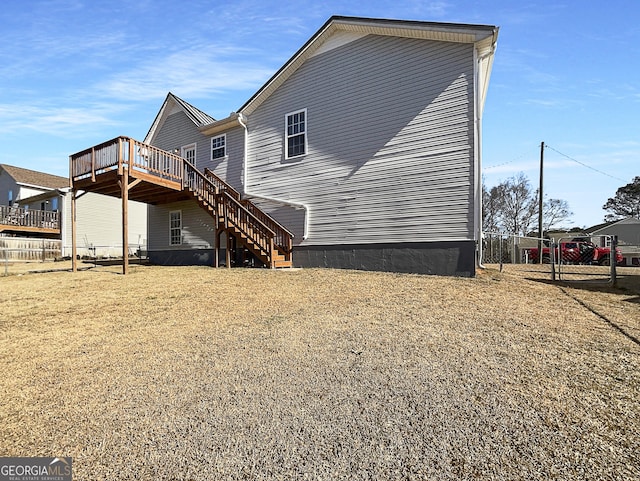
point(540, 205)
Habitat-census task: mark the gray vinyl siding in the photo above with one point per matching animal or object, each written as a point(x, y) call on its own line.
point(7, 184)
point(197, 226)
point(99, 224)
point(390, 143)
point(228, 168)
point(178, 131)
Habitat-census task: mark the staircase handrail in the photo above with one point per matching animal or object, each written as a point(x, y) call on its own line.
point(203, 186)
point(283, 236)
point(199, 183)
point(221, 184)
point(264, 241)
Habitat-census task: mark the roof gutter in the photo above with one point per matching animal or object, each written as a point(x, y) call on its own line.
point(242, 121)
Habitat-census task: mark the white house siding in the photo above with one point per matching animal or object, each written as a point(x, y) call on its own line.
point(390, 143)
point(99, 225)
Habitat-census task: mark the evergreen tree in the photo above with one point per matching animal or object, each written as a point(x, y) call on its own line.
point(626, 202)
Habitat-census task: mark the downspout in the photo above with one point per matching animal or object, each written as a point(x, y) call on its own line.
point(296, 205)
point(478, 107)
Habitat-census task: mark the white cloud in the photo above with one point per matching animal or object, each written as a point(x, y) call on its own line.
point(193, 73)
point(54, 120)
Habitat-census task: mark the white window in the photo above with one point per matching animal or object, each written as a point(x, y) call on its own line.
point(175, 227)
point(296, 134)
point(189, 153)
point(219, 147)
point(10, 198)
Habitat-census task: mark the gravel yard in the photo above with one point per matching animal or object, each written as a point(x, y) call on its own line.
point(193, 373)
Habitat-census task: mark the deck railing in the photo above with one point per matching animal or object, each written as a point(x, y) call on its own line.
point(125, 151)
point(20, 217)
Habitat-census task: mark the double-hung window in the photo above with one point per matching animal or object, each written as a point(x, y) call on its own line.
point(175, 227)
point(296, 134)
point(219, 147)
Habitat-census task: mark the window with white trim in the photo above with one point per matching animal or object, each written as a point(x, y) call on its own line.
point(175, 227)
point(189, 153)
point(296, 134)
point(219, 147)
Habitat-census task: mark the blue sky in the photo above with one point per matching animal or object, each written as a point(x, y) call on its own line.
point(74, 73)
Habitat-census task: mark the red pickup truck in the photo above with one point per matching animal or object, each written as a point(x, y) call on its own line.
point(577, 252)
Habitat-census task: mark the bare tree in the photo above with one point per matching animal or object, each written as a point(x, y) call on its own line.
point(519, 205)
point(492, 201)
point(554, 212)
point(512, 207)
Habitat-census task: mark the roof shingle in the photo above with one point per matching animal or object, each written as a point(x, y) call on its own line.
point(35, 178)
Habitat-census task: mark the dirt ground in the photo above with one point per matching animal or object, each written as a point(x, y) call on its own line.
point(193, 373)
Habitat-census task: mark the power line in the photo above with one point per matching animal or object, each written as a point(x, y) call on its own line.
point(506, 163)
point(583, 164)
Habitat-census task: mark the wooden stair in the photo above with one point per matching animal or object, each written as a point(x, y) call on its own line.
point(251, 227)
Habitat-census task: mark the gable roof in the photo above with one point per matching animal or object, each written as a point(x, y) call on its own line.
point(485, 36)
point(35, 178)
point(197, 116)
point(600, 227)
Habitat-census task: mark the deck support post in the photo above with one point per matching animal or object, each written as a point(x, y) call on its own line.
point(227, 250)
point(74, 245)
point(124, 186)
point(216, 248)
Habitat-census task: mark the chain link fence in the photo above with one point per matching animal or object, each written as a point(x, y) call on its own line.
point(583, 259)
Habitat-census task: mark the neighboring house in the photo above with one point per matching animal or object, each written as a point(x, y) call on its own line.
point(29, 202)
point(37, 205)
point(628, 232)
point(366, 145)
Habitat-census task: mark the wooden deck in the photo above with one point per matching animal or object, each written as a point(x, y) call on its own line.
point(17, 220)
point(132, 170)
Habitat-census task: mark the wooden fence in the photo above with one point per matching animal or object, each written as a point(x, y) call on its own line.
point(14, 249)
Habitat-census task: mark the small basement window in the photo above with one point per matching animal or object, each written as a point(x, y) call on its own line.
point(296, 134)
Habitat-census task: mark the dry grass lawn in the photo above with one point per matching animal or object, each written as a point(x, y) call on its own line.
point(203, 374)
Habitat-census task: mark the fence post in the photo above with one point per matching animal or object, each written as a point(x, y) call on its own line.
point(612, 261)
point(6, 262)
point(44, 254)
point(500, 252)
point(552, 257)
